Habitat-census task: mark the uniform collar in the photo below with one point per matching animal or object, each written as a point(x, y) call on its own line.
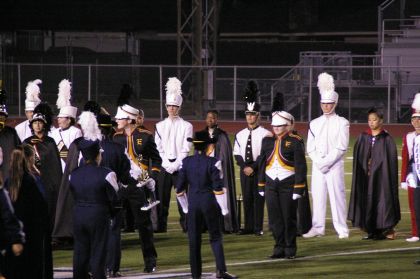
point(250, 129)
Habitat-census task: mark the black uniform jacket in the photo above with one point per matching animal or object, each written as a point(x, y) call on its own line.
point(290, 151)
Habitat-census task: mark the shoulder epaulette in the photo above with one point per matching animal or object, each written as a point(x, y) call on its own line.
point(295, 136)
point(141, 130)
point(118, 133)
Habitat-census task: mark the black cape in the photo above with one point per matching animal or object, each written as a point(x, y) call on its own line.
point(304, 216)
point(374, 203)
point(63, 225)
point(49, 166)
point(223, 152)
point(9, 140)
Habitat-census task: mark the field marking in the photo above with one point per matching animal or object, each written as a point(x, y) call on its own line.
point(364, 252)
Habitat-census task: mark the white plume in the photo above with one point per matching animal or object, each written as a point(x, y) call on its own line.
point(89, 125)
point(64, 94)
point(416, 102)
point(33, 91)
point(173, 86)
point(325, 83)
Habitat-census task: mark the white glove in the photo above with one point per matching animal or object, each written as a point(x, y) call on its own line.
point(135, 173)
point(222, 201)
point(183, 201)
point(322, 167)
point(296, 197)
point(261, 193)
point(411, 180)
point(404, 186)
point(151, 184)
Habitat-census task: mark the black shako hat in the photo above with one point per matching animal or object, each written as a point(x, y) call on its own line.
point(89, 148)
point(201, 140)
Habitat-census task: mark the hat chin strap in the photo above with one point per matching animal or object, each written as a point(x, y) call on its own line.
point(332, 110)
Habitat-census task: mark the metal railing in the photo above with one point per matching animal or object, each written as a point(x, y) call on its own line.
point(390, 91)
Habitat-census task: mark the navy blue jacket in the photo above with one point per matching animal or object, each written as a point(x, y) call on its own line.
point(199, 171)
point(89, 186)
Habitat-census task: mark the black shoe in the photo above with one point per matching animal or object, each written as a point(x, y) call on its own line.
point(149, 269)
point(225, 275)
point(417, 262)
point(276, 256)
point(114, 274)
point(290, 257)
point(369, 236)
point(244, 232)
point(259, 233)
point(128, 230)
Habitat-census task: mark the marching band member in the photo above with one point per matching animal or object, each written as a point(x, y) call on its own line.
point(171, 140)
point(247, 148)
point(66, 132)
point(32, 100)
point(205, 203)
point(328, 140)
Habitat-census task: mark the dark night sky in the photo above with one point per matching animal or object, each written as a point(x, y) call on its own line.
point(160, 15)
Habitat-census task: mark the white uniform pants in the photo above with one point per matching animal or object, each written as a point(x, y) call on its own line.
point(333, 183)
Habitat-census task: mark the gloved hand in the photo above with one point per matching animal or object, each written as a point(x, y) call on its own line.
point(135, 173)
point(222, 201)
point(261, 192)
point(183, 201)
point(323, 167)
point(151, 184)
point(404, 186)
point(411, 180)
point(296, 197)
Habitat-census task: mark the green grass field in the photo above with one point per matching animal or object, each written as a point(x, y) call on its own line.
point(247, 256)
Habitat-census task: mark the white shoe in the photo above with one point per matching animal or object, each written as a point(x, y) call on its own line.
point(312, 233)
point(412, 239)
point(343, 236)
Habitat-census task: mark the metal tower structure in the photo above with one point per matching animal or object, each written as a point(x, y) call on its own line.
point(197, 32)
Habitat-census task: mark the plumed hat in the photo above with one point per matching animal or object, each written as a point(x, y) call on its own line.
point(416, 106)
point(32, 95)
point(173, 92)
point(327, 88)
point(89, 126)
point(251, 96)
point(124, 110)
point(43, 112)
point(63, 101)
point(280, 117)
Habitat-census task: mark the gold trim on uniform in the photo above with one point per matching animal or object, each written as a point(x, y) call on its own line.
point(280, 158)
point(299, 186)
point(218, 192)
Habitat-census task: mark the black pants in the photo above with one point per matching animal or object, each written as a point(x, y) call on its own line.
point(203, 209)
point(282, 215)
point(145, 228)
point(417, 205)
point(113, 258)
point(166, 182)
point(91, 225)
point(253, 204)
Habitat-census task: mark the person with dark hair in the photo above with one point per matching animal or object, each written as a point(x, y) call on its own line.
point(374, 205)
point(222, 150)
point(205, 201)
point(247, 148)
point(66, 132)
point(28, 198)
point(47, 159)
point(94, 189)
point(9, 139)
point(143, 155)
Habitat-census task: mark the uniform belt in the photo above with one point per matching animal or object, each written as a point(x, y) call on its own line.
point(172, 160)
